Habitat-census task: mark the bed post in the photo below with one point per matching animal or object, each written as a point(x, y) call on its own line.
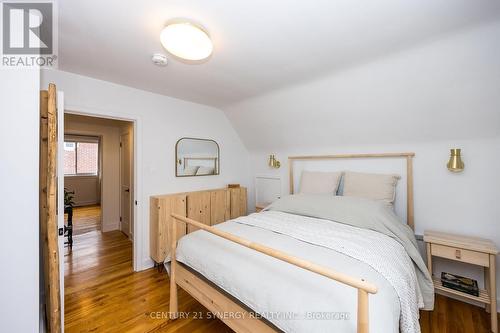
point(362, 325)
point(173, 310)
point(409, 192)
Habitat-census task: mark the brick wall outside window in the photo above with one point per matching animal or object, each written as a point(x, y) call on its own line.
point(69, 158)
point(81, 158)
point(87, 157)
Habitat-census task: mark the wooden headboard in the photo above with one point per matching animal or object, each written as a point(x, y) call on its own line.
point(409, 173)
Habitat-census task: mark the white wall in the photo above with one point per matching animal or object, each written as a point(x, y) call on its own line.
point(161, 121)
point(87, 189)
point(19, 252)
point(427, 99)
point(110, 175)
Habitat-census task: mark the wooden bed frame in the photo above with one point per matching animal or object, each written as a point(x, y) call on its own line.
point(222, 304)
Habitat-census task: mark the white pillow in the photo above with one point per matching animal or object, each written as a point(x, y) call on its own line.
point(370, 185)
point(205, 171)
point(190, 170)
point(315, 182)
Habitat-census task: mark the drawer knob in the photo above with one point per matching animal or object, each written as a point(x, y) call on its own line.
point(458, 254)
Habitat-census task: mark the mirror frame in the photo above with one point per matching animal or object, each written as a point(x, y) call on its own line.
point(199, 139)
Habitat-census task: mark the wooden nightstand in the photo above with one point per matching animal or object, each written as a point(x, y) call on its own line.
point(471, 250)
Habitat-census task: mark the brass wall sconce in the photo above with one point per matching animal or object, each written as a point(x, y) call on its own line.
point(455, 164)
point(273, 162)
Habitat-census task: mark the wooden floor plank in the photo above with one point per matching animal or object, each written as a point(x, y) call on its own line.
point(453, 316)
point(86, 218)
point(103, 294)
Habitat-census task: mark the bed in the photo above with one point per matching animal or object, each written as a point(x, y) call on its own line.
point(307, 263)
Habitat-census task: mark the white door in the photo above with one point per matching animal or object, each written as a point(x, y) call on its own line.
point(60, 194)
point(125, 197)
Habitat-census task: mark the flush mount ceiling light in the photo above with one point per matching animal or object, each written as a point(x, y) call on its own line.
point(186, 40)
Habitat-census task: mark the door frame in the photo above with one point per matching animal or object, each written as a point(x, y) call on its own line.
point(138, 261)
point(60, 195)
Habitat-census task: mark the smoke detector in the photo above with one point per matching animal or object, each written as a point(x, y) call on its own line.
point(159, 59)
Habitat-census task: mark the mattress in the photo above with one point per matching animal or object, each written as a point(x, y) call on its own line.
point(293, 299)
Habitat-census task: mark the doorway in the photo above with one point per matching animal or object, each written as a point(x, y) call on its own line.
point(99, 177)
point(99, 174)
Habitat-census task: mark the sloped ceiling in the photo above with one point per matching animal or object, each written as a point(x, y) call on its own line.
point(259, 45)
point(448, 89)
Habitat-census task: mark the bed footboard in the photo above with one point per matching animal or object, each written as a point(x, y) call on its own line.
point(231, 311)
point(364, 288)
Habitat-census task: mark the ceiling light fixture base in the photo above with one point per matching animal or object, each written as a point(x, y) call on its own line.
point(159, 59)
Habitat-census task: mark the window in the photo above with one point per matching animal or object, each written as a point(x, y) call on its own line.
point(81, 157)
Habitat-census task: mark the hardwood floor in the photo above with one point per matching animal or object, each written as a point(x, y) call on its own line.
point(86, 218)
point(103, 294)
point(452, 316)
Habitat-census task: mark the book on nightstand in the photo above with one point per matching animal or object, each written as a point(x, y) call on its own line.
point(460, 283)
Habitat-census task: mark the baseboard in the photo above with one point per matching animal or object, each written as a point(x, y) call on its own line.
point(112, 227)
point(85, 203)
point(146, 264)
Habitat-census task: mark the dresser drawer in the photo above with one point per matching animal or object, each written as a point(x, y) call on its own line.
point(455, 253)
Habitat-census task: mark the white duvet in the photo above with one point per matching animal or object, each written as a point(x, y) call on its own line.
point(296, 300)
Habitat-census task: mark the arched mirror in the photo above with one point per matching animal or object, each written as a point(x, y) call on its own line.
point(196, 157)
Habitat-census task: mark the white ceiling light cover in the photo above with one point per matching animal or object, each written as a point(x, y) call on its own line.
point(187, 41)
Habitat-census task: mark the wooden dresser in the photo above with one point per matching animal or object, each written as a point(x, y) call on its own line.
point(209, 207)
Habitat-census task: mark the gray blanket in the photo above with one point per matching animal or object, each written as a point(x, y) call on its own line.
point(366, 214)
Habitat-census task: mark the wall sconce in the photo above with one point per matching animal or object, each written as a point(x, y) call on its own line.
point(455, 164)
point(273, 162)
